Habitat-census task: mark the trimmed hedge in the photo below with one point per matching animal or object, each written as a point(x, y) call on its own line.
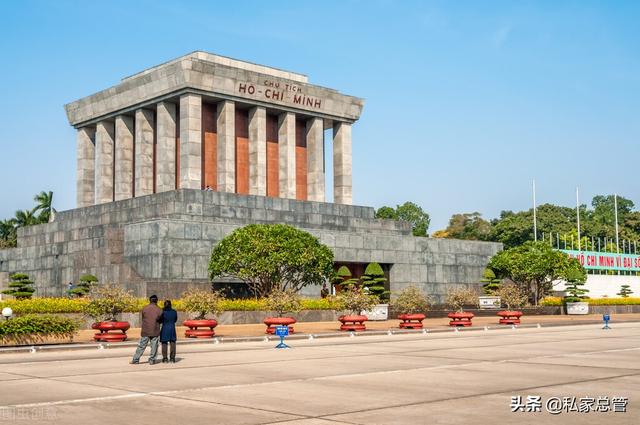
point(76, 305)
point(556, 301)
point(37, 325)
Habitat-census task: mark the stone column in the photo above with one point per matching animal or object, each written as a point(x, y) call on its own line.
point(86, 167)
point(166, 147)
point(124, 158)
point(226, 127)
point(258, 151)
point(104, 162)
point(342, 191)
point(315, 160)
point(287, 154)
point(144, 152)
point(191, 141)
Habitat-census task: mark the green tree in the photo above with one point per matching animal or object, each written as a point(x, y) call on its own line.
point(534, 266)
point(574, 286)
point(469, 226)
point(84, 287)
point(272, 256)
point(44, 206)
point(625, 291)
point(409, 212)
point(343, 276)
point(490, 283)
point(513, 229)
point(26, 218)
point(8, 236)
point(373, 280)
point(20, 286)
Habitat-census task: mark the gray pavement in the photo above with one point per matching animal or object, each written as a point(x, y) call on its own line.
point(445, 378)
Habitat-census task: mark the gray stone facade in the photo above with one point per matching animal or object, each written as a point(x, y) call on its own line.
point(174, 99)
point(161, 243)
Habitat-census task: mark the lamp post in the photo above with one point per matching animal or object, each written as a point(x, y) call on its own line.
point(7, 313)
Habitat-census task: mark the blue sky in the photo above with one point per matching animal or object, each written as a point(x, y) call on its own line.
point(466, 102)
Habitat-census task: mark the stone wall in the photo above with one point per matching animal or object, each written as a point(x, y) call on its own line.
point(161, 243)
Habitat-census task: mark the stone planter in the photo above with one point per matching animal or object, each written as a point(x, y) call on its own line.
point(200, 328)
point(378, 312)
point(272, 322)
point(460, 319)
point(353, 322)
point(110, 331)
point(508, 317)
point(577, 308)
point(411, 321)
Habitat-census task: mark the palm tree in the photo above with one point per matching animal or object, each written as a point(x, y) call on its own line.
point(25, 218)
point(45, 206)
point(7, 229)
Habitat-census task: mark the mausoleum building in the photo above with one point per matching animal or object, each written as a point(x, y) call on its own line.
point(174, 158)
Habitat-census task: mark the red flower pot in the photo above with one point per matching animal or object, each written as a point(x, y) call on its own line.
point(194, 326)
point(411, 321)
point(111, 331)
point(460, 319)
point(508, 317)
point(272, 322)
point(353, 323)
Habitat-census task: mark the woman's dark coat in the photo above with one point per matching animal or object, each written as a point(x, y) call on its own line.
point(168, 320)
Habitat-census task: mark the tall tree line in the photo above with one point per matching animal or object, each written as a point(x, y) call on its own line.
point(515, 228)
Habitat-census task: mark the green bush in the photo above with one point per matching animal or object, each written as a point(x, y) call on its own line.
point(37, 325)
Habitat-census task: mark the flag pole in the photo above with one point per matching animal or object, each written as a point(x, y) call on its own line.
point(578, 215)
point(535, 221)
point(615, 206)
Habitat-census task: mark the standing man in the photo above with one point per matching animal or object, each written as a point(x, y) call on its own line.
point(150, 331)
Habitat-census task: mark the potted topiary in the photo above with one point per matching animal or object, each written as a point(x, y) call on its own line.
point(106, 303)
point(457, 299)
point(354, 300)
point(282, 302)
point(513, 298)
point(574, 301)
point(373, 281)
point(200, 302)
point(411, 303)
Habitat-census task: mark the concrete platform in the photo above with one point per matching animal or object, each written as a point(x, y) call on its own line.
point(443, 378)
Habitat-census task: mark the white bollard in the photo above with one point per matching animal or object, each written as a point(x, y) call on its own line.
point(486, 328)
point(389, 332)
point(33, 350)
point(538, 326)
point(425, 331)
point(311, 337)
point(352, 335)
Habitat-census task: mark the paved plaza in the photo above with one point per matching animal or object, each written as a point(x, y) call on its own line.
point(437, 378)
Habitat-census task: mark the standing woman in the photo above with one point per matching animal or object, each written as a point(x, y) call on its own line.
point(168, 333)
